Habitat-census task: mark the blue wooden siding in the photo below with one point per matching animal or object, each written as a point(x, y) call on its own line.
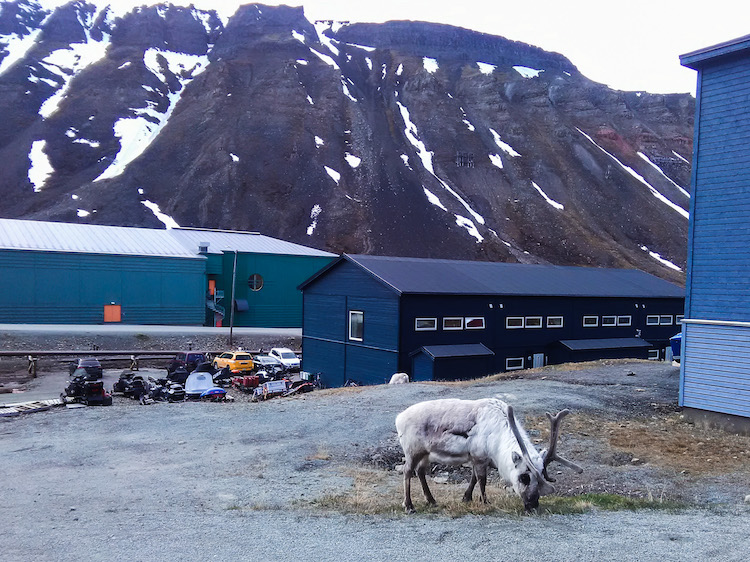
point(719, 245)
point(716, 368)
point(60, 288)
point(421, 367)
point(326, 347)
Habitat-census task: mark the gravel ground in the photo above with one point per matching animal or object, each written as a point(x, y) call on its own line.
point(249, 480)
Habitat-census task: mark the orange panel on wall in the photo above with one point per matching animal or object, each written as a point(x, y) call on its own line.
point(112, 313)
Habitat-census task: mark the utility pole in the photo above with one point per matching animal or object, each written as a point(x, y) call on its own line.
point(231, 303)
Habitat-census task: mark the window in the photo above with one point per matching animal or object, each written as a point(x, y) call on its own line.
point(474, 322)
point(554, 321)
point(255, 282)
point(624, 320)
point(652, 320)
point(609, 320)
point(678, 319)
point(356, 325)
point(590, 321)
point(665, 320)
point(533, 321)
point(653, 354)
point(453, 323)
point(425, 324)
point(513, 322)
point(513, 363)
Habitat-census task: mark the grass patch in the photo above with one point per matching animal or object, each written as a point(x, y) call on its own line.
point(609, 502)
point(321, 454)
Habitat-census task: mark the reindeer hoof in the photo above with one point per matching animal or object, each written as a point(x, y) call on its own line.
point(409, 509)
point(466, 499)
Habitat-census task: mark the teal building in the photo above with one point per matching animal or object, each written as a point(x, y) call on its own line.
point(60, 273)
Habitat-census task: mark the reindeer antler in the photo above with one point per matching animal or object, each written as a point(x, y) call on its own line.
point(550, 454)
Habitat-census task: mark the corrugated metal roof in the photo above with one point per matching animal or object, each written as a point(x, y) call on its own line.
point(456, 350)
point(90, 239)
point(250, 242)
point(122, 240)
point(458, 277)
point(696, 59)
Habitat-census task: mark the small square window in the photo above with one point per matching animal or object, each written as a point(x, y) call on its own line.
point(513, 363)
point(475, 322)
point(554, 321)
point(624, 320)
point(609, 320)
point(356, 325)
point(533, 321)
point(425, 324)
point(653, 354)
point(665, 320)
point(590, 321)
point(514, 322)
point(652, 320)
point(453, 323)
point(678, 319)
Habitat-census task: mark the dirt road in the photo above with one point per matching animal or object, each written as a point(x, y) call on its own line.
point(310, 478)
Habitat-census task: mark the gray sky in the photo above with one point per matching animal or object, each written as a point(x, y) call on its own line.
point(628, 44)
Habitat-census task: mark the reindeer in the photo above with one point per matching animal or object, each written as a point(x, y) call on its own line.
point(399, 378)
point(483, 432)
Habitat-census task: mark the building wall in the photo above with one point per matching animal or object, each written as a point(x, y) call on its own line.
point(63, 288)
point(719, 240)
point(716, 345)
point(278, 303)
point(525, 342)
point(326, 347)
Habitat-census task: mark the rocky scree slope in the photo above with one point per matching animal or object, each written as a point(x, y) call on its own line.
point(402, 138)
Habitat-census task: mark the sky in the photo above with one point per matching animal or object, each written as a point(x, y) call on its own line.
point(627, 45)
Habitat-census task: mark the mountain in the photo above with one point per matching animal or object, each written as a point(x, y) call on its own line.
point(402, 138)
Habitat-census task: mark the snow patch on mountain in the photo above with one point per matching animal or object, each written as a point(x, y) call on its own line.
point(432, 198)
point(41, 168)
point(335, 176)
point(555, 204)
point(527, 72)
point(430, 65)
point(168, 221)
point(660, 259)
point(670, 180)
point(504, 146)
point(314, 214)
point(352, 160)
point(137, 133)
point(485, 68)
point(655, 192)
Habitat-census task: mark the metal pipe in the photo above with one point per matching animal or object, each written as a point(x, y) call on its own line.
point(231, 314)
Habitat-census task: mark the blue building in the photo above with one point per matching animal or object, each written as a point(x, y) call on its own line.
point(715, 371)
point(367, 317)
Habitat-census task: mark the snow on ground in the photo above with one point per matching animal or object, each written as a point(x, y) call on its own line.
point(364, 47)
point(400, 69)
point(319, 142)
point(16, 46)
point(137, 133)
point(430, 65)
point(93, 144)
point(470, 227)
point(124, 65)
point(658, 169)
point(168, 221)
point(82, 213)
point(335, 176)
point(405, 158)
point(640, 178)
point(504, 146)
point(411, 133)
point(320, 28)
point(326, 59)
point(345, 89)
point(369, 62)
point(485, 68)
point(235, 158)
point(496, 160)
point(352, 160)
point(527, 72)
point(469, 125)
point(298, 36)
point(41, 168)
point(67, 63)
point(74, 197)
point(681, 157)
point(310, 100)
point(314, 213)
point(303, 62)
point(555, 204)
point(432, 198)
point(660, 259)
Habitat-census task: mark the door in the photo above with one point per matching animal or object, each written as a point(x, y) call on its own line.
point(538, 360)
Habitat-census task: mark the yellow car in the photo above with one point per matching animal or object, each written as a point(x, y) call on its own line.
point(237, 361)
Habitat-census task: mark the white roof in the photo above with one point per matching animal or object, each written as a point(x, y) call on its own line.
point(124, 240)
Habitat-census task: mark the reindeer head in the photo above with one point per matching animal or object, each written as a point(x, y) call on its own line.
point(529, 480)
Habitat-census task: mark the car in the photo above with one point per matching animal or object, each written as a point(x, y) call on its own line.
point(237, 361)
point(287, 358)
point(89, 364)
point(188, 360)
point(269, 364)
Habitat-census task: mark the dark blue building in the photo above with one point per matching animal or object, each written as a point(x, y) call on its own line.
point(367, 317)
point(715, 376)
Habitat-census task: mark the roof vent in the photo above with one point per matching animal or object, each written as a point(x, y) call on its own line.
point(203, 247)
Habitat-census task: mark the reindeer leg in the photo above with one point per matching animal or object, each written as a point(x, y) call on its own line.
point(408, 470)
point(481, 475)
point(470, 490)
point(421, 470)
